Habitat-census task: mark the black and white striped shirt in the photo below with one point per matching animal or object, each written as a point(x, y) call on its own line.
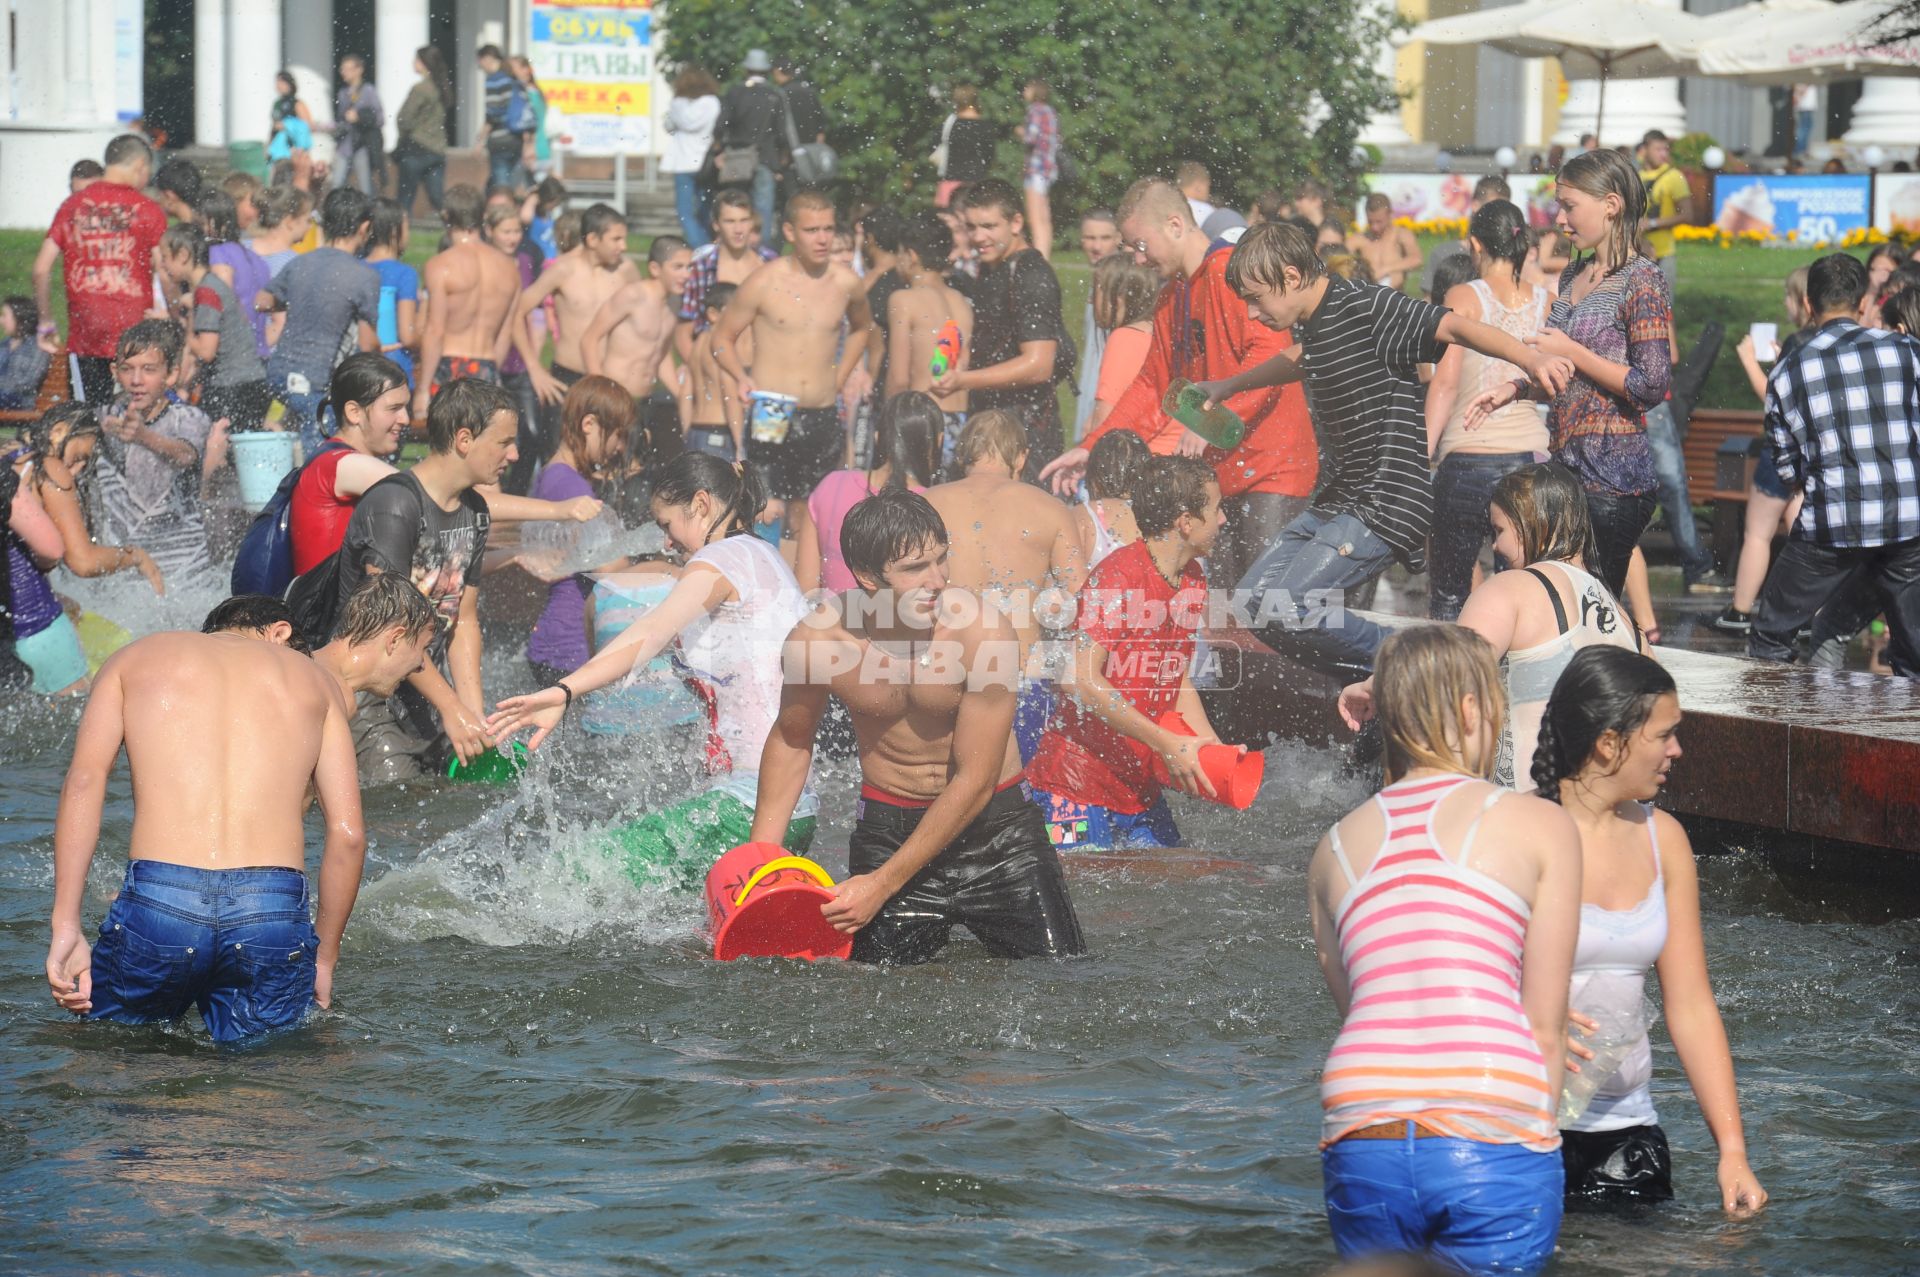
point(1360, 348)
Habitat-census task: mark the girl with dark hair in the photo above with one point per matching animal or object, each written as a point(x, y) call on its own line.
point(1467, 463)
point(1614, 319)
point(397, 329)
point(1104, 519)
point(1536, 619)
point(233, 260)
point(730, 614)
point(906, 449)
point(1445, 912)
point(292, 131)
point(420, 154)
point(38, 633)
point(1607, 742)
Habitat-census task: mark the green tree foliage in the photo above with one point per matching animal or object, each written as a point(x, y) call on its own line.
point(1139, 86)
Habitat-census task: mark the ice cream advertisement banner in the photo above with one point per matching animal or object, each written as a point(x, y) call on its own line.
point(1896, 203)
point(1808, 209)
point(594, 62)
point(1431, 197)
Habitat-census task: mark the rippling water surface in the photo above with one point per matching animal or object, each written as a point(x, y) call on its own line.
point(531, 1068)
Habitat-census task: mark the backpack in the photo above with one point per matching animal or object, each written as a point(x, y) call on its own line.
point(264, 563)
point(520, 111)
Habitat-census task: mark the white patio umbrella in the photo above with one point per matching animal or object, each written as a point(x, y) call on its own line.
point(1800, 41)
point(1620, 39)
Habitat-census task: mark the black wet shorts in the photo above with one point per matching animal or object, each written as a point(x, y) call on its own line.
point(999, 878)
point(1609, 1169)
point(812, 450)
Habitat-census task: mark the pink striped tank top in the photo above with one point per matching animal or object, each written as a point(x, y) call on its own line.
point(1435, 1033)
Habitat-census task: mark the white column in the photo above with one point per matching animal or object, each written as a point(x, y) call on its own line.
point(1887, 114)
point(309, 34)
point(1633, 107)
point(210, 72)
point(401, 30)
point(6, 63)
point(1533, 102)
point(79, 36)
point(253, 44)
point(1384, 128)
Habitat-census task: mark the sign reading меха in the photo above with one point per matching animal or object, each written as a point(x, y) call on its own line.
point(1814, 207)
point(594, 62)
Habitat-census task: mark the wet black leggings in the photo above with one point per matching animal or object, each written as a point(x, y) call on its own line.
point(1618, 522)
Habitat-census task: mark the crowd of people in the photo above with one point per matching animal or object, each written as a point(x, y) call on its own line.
point(849, 432)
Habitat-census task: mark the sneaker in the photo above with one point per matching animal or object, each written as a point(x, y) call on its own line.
point(1733, 620)
point(1714, 582)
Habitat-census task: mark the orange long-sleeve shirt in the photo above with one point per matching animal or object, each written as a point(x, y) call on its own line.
point(1279, 453)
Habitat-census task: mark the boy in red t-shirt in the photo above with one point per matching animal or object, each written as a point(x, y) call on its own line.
point(1133, 659)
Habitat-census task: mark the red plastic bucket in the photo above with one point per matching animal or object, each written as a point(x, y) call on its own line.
point(1235, 771)
point(764, 902)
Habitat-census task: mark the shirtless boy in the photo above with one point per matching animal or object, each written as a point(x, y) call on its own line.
point(716, 417)
point(734, 254)
point(944, 836)
point(1390, 251)
point(580, 283)
point(917, 313)
point(223, 732)
point(793, 307)
point(470, 292)
point(1022, 543)
point(631, 339)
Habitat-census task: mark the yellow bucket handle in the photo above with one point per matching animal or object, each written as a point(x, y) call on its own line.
point(774, 866)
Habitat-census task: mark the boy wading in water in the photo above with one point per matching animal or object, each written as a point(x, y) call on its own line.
point(944, 835)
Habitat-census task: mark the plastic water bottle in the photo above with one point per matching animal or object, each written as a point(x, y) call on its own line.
point(1617, 1004)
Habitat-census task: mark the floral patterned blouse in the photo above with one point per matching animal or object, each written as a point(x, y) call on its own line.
point(1628, 319)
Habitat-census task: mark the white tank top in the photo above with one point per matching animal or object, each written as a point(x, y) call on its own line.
point(1518, 427)
point(1104, 542)
point(733, 656)
point(1622, 944)
point(1531, 672)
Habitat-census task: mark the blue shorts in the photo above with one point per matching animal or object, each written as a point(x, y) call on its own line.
point(1481, 1208)
point(1075, 826)
point(1767, 479)
point(238, 943)
point(54, 655)
point(1030, 715)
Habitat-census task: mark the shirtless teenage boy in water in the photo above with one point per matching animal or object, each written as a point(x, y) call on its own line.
point(945, 836)
point(1390, 251)
point(631, 338)
point(470, 292)
point(716, 416)
point(580, 282)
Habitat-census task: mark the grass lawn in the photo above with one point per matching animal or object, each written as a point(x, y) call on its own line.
point(1733, 286)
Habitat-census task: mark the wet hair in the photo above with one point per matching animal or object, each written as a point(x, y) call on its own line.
point(468, 404)
point(607, 402)
point(889, 525)
point(988, 193)
point(993, 433)
point(1548, 510)
point(1124, 291)
point(549, 195)
point(1449, 273)
point(695, 82)
point(26, 314)
point(737, 490)
point(274, 205)
point(1836, 282)
point(1265, 251)
point(805, 201)
point(162, 335)
point(1492, 187)
point(732, 197)
point(966, 96)
point(926, 235)
point(719, 295)
point(1116, 464)
point(1168, 487)
point(664, 247)
point(389, 221)
point(884, 226)
point(180, 177)
point(1603, 689)
point(1607, 172)
point(128, 148)
point(566, 230)
point(1155, 198)
point(252, 613)
point(185, 237)
point(1421, 676)
point(1502, 231)
point(906, 433)
point(80, 420)
point(86, 171)
point(343, 213)
point(463, 208)
point(1902, 310)
point(598, 219)
point(384, 601)
point(219, 216)
point(362, 378)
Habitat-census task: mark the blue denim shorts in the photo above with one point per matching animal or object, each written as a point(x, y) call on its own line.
point(237, 943)
point(1767, 479)
point(1481, 1208)
point(1073, 826)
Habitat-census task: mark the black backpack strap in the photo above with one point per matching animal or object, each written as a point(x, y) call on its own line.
point(1559, 608)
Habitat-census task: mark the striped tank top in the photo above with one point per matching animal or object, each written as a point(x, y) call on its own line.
point(1435, 1032)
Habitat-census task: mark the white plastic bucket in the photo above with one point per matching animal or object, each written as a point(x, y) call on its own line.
point(261, 458)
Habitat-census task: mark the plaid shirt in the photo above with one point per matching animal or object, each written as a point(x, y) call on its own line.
point(1043, 141)
point(1843, 411)
point(705, 274)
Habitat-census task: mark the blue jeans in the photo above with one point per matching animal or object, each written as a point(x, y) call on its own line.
point(303, 414)
point(763, 194)
point(1670, 465)
point(1802, 131)
point(1298, 590)
point(502, 163)
point(1481, 1208)
point(690, 202)
point(237, 943)
point(715, 441)
point(1462, 490)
